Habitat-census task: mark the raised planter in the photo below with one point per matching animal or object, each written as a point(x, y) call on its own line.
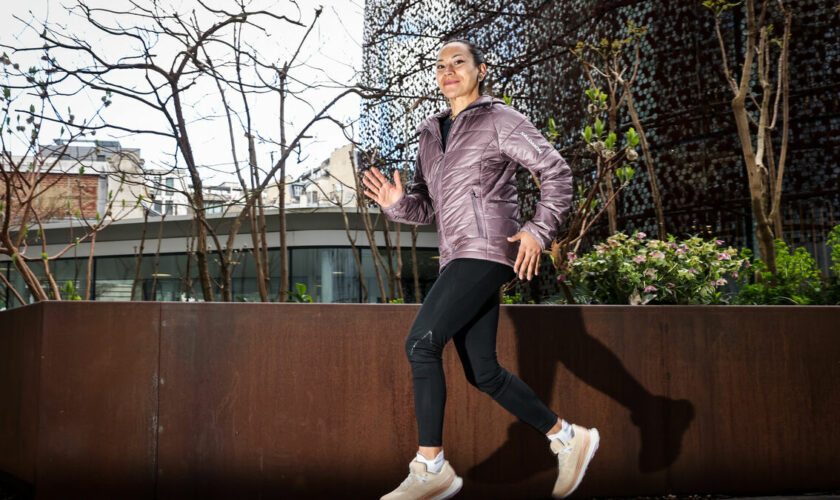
point(171, 400)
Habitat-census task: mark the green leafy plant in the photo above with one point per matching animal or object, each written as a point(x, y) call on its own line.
point(300, 295)
point(634, 270)
point(516, 298)
point(398, 300)
point(69, 291)
point(797, 279)
point(832, 287)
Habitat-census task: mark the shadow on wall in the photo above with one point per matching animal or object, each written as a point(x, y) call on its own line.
point(661, 421)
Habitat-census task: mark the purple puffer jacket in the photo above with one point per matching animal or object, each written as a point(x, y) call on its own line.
point(470, 190)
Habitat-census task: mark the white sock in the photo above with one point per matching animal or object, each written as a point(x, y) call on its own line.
point(565, 434)
point(434, 466)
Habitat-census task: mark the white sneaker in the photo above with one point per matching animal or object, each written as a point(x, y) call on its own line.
point(572, 459)
point(422, 484)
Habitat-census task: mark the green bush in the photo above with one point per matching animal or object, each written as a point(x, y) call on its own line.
point(632, 270)
point(300, 295)
point(832, 288)
point(516, 298)
point(797, 281)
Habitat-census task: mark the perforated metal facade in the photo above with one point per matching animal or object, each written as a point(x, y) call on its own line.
point(680, 94)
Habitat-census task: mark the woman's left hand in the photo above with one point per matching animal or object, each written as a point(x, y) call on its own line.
point(528, 259)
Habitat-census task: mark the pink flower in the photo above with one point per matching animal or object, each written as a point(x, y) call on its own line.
point(670, 285)
point(692, 270)
point(721, 281)
point(571, 256)
point(650, 288)
point(639, 258)
point(747, 264)
point(723, 256)
point(718, 242)
point(679, 251)
point(640, 235)
point(734, 274)
point(561, 277)
point(657, 254)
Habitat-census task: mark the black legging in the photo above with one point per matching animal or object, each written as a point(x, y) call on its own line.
point(464, 304)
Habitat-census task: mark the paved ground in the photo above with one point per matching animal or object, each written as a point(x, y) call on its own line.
point(820, 495)
point(8, 492)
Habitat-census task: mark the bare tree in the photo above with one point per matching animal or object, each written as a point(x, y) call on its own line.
point(612, 72)
point(174, 56)
point(764, 173)
point(33, 176)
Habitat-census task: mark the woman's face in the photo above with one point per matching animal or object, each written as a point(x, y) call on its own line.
point(457, 74)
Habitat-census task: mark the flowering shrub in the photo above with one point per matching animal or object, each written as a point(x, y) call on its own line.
point(633, 270)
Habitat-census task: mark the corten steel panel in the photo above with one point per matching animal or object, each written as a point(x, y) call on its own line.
point(283, 400)
point(765, 381)
point(20, 338)
point(313, 401)
point(98, 400)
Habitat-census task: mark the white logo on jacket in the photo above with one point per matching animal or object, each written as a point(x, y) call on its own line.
point(539, 150)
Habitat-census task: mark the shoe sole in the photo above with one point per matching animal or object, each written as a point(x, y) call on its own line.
point(595, 440)
point(450, 492)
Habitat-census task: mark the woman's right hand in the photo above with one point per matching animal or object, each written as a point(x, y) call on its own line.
point(381, 190)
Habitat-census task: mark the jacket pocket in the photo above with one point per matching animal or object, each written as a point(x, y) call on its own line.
point(479, 220)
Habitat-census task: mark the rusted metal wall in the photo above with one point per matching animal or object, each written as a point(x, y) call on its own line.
point(20, 337)
point(168, 400)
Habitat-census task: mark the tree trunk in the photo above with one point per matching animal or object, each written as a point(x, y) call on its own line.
point(654, 184)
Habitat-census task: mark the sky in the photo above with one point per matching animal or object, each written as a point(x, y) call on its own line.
point(332, 55)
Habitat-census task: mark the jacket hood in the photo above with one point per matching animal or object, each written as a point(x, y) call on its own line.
point(432, 120)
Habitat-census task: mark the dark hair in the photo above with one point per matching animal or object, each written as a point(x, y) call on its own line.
point(477, 55)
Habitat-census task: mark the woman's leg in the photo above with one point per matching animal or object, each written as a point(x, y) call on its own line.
point(457, 296)
point(476, 345)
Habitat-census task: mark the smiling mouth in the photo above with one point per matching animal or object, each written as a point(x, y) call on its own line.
point(449, 83)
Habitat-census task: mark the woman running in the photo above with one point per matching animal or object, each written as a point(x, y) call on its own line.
point(464, 181)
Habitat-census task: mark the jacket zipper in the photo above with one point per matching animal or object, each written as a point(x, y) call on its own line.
point(478, 220)
point(440, 141)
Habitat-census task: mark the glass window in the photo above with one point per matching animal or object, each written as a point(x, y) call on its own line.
point(164, 280)
point(427, 267)
point(64, 271)
point(330, 274)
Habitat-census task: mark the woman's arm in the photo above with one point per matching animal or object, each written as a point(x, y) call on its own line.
point(414, 207)
point(525, 145)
